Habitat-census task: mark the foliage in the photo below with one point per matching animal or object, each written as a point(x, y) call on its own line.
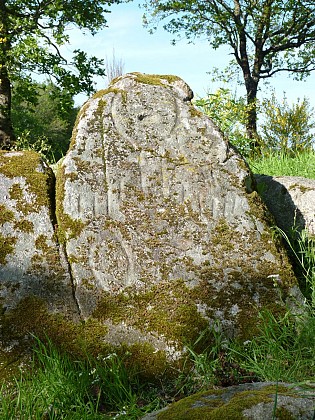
point(280, 164)
point(32, 35)
point(45, 123)
point(265, 36)
point(229, 114)
point(37, 29)
point(287, 128)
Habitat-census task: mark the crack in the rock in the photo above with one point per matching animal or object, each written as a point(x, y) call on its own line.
point(54, 219)
point(73, 286)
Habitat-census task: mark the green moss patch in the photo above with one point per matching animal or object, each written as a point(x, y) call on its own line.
point(39, 183)
point(103, 92)
point(5, 215)
point(78, 339)
point(67, 227)
point(167, 308)
point(24, 226)
point(212, 406)
point(155, 79)
point(6, 247)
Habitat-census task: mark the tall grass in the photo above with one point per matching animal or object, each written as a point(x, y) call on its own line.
point(59, 387)
point(301, 246)
point(282, 351)
point(281, 164)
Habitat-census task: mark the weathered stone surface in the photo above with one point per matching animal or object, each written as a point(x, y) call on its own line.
point(31, 261)
point(162, 229)
point(291, 200)
point(255, 401)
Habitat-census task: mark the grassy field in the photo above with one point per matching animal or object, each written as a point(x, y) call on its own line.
point(60, 387)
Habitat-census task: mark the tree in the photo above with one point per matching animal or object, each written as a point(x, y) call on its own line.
point(46, 124)
point(266, 36)
point(32, 33)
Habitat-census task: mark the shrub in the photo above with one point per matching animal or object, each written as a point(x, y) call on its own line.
point(287, 128)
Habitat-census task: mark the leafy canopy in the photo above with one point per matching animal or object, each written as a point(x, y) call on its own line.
point(32, 33)
point(266, 36)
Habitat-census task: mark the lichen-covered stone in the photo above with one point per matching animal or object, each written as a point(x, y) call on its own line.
point(255, 401)
point(291, 200)
point(162, 228)
point(31, 260)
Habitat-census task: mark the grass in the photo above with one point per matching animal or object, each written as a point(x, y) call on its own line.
point(280, 164)
point(302, 250)
point(283, 351)
point(58, 387)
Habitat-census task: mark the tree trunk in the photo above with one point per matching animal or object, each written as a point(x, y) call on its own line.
point(7, 137)
point(251, 123)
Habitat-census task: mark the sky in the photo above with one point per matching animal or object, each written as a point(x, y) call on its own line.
point(154, 54)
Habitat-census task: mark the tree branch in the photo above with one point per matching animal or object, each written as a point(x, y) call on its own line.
point(307, 68)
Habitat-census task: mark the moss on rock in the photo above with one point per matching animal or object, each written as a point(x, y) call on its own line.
point(167, 309)
point(255, 401)
point(80, 340)
point(27, 165)
point(155, 79)
point(6, 247)
point(67, 227)
point(5, 215)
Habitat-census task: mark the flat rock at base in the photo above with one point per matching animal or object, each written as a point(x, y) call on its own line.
point(162, 229)
point(31, 261)
point(255, 401)
point(291, 200)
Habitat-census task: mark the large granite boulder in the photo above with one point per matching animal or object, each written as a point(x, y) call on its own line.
point(31, 261)
point(255, 401)
point(291, 200)
point(162, 229)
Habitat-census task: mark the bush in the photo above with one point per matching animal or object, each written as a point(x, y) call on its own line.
point(287, 128)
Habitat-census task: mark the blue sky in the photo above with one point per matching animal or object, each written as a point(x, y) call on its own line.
point(147, 53)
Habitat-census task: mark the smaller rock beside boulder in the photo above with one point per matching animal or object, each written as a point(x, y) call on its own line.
point(291, 201)
point(31, 261)
point(255, 401)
